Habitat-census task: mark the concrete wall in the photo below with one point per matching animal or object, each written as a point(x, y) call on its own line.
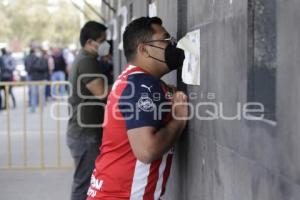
point(288, 96)
point(240, 159)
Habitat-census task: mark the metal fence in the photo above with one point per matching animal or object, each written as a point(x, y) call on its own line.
point(8, 121)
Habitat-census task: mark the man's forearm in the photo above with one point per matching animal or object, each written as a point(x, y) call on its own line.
point(165, 138)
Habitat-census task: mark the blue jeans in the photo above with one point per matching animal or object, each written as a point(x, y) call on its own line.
point(34, 97)
point(58, 76)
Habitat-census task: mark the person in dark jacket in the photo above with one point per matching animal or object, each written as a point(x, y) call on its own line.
point(59, 72)
point(7, 74)
point(1, 87)
point(37, 67)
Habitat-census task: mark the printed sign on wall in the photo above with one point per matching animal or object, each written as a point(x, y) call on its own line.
point(153, 9)
point(190, 43)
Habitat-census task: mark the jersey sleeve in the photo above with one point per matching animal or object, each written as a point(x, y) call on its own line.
point(140, 101)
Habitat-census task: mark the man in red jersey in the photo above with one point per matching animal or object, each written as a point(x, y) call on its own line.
point(143, 119)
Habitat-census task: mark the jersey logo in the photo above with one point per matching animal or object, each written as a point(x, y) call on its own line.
point(145, 86)
point(145, 103)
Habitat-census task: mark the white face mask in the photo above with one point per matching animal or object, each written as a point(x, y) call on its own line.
point(103, 49)
point(38, 54)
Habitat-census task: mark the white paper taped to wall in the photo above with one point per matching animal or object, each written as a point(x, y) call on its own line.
point(153, 9)
point(123, 12)
point(190, 43)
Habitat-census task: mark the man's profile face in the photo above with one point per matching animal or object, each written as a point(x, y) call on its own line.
point(160, 34)
point(94, 44)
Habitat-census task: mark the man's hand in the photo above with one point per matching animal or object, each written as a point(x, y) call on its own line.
point(173, 89)
point(180, 108)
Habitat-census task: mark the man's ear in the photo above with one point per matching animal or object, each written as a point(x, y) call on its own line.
point(86, 43)
point(89, 42)
point(142, 50)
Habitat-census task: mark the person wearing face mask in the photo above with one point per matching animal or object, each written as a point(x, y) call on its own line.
point(144, 119)
point(87, 100)
point(59, 72)
point(38, 70)
point(106, 63)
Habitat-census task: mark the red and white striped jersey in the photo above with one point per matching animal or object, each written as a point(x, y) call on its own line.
point(137, 99)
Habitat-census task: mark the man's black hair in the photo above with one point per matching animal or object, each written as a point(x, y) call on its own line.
point(31, 51)
point(91, 30)
point(137, 31)
point(3, 51)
